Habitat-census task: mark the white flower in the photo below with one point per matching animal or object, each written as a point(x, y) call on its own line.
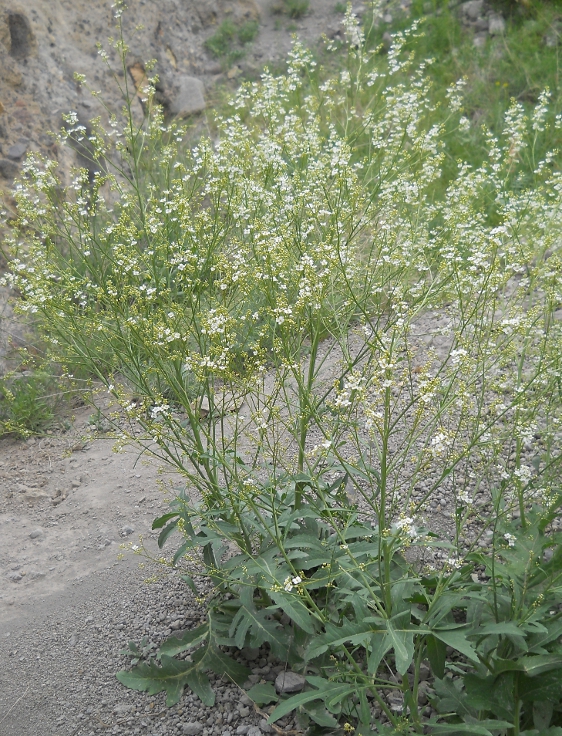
point(510, 539)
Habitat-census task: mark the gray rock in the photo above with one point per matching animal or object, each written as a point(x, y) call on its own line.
point(479, 40)
point(496, 25)
point(254, 731)
point(8, 169)
point(16, 151)
point(126, 530)
point(36, 533)
point(244, 711)
point(15, 577)
point(36, 575)
point(242, 730)
point(472, 9)
point(192, 728)
point(289, 682)
point(121, 708)
point(251, 653)
point(189, 98)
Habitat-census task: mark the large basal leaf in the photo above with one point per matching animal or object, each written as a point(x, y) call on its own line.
point(188, 640)
point(263, 693)
point(545, 687)
point(451, 697)
point(479, 729)
point(255, 626)
point(353, 632)
point(172, 676)
point(493, 694)
point(437, 654)
point(296, 610)
point(456, 638)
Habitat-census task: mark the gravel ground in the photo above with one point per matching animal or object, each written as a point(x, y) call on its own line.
point(60, 657)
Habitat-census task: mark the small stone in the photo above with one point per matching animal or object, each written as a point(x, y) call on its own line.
point(36, 575)
point(73, 641)
point(75, 484)
point(496, 25)
point(244, 711)
point(254, 731)
point(265, 727)
point(472, 9)
point(193, 728)
point(16, 151)
point(236, 71)
point(126, 530)
point(251, 653)
point(8, 169)
point(34, 496)
point(190, 97)
point(121, 708)
point(396, 702)
point(289, 682)
point(15, 577)
point(479, 40)
point(36, 533)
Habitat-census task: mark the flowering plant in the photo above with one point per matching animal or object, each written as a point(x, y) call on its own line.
point(359, 381)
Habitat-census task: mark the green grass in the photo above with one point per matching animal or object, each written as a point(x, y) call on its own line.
point(229, 40)
point(293, 8)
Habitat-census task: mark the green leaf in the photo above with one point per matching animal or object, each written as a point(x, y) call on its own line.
point(172, 677)
point(380, 645)
point(505, 628)
point(531, 666)
point(296, 610)
point(493, 694)
point(542, 714)
point(188, 640)
point(166, 532)
point(188, 544)
point(294, 702)
point(161, 521)
point(320, 715)
point(190, 584)
point(437, 654)
point(263, 694)
point(454, 728)
point(249, 621)
point(456, 638)
point(452, 699)
point(547, 686)
point(403, 644)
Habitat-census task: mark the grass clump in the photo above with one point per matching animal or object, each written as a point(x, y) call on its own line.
point(292, 8)
point(229, 40)
point(29, 402)
point(327, 323)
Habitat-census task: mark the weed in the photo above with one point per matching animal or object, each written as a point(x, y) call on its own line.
point(229, 39)
point(328, 326)
point(292, 8)
point(28, 401)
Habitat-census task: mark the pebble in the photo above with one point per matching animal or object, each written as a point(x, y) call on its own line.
point(496, 25)
point(289, 682)
point(192, 728)
point(15, 577)
point(36, 533)
point(126, 530)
